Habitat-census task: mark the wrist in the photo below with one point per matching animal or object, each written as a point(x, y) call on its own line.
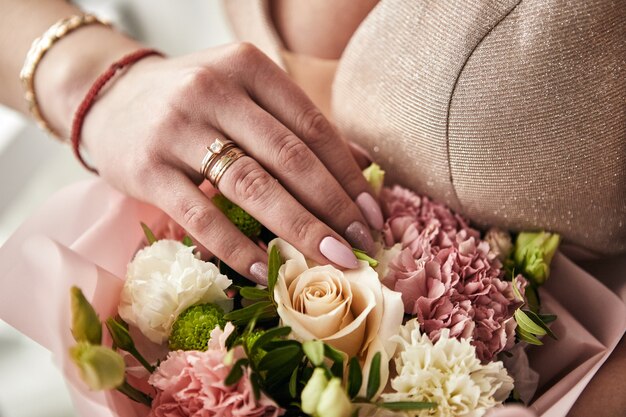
point(68, 70)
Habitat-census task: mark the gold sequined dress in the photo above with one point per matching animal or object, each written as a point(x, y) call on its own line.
point(511, 112)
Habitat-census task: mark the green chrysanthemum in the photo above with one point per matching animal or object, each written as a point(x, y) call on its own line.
point(192, 329)
point(248, 225)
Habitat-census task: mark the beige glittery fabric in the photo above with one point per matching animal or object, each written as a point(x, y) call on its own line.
point(511, 112)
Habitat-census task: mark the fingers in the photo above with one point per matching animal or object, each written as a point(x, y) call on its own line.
point(360, 155)
point(298, 169)
point(256, 191)
point(275, 92)
point(189, 207)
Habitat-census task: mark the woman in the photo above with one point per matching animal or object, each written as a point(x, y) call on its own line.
point(502, 110)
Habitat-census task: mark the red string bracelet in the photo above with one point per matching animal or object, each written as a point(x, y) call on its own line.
point(92, 94)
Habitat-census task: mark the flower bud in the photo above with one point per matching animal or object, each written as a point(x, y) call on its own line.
point(120, 335)
point(86, 326)
point(500, 243)
point(534, 252)
point(334, 401)
point(100, 367)
point(313, 391)
point(375, 176)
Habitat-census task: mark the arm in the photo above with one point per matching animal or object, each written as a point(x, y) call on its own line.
point(148, 131)
point(67, 70)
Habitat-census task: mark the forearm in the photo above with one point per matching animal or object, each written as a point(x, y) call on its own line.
point(68, 68)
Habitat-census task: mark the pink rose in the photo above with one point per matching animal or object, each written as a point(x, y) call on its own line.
point(191, 384)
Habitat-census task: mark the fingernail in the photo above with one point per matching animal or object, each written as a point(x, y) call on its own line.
point(371, 210)
point(338, 253)
point(258, 271)
point(360, 237)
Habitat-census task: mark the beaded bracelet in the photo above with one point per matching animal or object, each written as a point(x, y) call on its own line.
point(92, 94)
point(37, 51)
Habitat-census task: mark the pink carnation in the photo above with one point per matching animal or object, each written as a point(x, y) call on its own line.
point(447, 276)
point(409, 213)
point(191, 384)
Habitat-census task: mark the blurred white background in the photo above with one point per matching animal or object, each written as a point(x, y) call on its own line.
point(34, 166)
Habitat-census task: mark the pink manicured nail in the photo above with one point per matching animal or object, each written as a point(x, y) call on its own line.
point(360, 237)
point(258, 271)
point(371, 210)
point(338, 253)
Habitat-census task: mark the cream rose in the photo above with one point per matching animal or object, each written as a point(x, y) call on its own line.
point(350, 310)
point(162, 281)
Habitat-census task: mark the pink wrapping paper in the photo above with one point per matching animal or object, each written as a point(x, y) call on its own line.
point(86, 234)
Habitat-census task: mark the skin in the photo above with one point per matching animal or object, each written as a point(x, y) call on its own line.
point(232, 91)
point(323, 29)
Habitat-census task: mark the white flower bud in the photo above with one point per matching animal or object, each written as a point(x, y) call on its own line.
point(313, 391)
point(500, 243)
point(334, 401)
point(100, 367)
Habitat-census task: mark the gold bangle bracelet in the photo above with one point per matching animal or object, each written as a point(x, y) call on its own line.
point(37, 51)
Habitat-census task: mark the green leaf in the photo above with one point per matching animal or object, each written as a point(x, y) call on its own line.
point(255, 379)
point(273, 265)
point(532, 297)
point(134, 394)
point(282, 368)
point(279, 343)
point(527, 324)
point(233, 340)
point(268, 336)
point(149, 235)
point(277, 358)
point(373, 380)
point(187, 241)
point(407, 405)
point(252, 293)
point(518, 295)
point(259, 310)
point(363, 256)
point(293, 383)
point(332, 353)
point(539, 322)
point(314, 350)
point(527, 337)
point(236, 372)
point(547, 318)
point(355, 378)
point(337, 357)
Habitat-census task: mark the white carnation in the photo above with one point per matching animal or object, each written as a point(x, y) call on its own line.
point(447, 373)
point(162, 281)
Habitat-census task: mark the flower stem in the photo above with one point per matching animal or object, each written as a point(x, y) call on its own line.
point(141, 360)
point(134, 394)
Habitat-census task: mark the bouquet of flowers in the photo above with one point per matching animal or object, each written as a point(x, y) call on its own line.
point(434, 324)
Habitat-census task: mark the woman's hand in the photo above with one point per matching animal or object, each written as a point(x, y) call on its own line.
point(148, 134)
